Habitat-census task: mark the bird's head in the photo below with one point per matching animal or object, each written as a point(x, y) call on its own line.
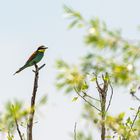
point(42, 48)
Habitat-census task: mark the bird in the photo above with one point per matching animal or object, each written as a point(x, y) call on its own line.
point(34, 58)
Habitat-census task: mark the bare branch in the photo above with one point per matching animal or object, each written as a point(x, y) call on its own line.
point(75, 132)
point(41, 66)
point(32, 106)
point(110, 96)
point(86, 100)
point(98, 86)
point(18, 130)
point(86, 95)
point(137, 98)
point(133, 122)
point(16, 122)
point(135, 117)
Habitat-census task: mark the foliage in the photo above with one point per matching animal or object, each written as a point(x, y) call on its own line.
point(7, 118)
point(123, 127)
point(16, 110)
point(107, 51)
point(82, 136)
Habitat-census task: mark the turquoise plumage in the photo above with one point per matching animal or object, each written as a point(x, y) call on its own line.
point(34, 58)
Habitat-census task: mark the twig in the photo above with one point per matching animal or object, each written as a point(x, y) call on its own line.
point(86, 95)
point(18, 130)
point(98, 86)
point(133, 122)
point(16, 122)
point(135, 117)
point(110, 96)
point(86, 100)
point(32, 107)
point(136, 97)
point(39, 67)
point(75, 133)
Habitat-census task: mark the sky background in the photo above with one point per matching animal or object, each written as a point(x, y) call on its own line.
point(24, 25)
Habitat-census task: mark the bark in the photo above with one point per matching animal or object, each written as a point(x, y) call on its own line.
point(32, 106)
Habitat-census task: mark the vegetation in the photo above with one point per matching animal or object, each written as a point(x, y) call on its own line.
point(111, 61)
point(17, 118)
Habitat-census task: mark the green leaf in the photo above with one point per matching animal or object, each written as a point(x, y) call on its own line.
point(108, 137)
point(74, 99)
point(84, 86)
point(60, 85)
point(72, 24)
point(121, 116)
point(93, 79)
point(68, 89)
point(43, 100)
point(131, 108)
point(60, 76)
point(128, 121)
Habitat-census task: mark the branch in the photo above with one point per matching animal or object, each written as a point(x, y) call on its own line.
point(86, 95)
point(86, 100)
point(135, 117)
point(16, 122)
point(103, 93)
point(133, 122)
point(18, 130)
point(98, 85)
point(39, 67)
point(133, 95)
point(32, 106)
point(75, 134)
point(110, 96)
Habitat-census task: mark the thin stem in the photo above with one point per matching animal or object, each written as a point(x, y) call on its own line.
point(110, 97)
point(75, 133)
point(86, 100)
point(41, 66)
point(86, 95)
point(133, 122)
point(18, 130)
point(98, 86)
point(137, 98)
point(16, 122)
point(135, 117)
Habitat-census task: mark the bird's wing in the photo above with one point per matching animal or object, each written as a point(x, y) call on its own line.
point(31, 57)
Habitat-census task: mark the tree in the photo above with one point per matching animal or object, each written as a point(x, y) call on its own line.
point(111, 59)
point(17, 116)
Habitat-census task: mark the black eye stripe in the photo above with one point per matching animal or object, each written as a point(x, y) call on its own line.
point(41, 48)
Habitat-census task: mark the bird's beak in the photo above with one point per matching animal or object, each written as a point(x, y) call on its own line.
point(45, 47)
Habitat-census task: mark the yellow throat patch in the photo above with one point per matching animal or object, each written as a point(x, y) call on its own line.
point(41, 50)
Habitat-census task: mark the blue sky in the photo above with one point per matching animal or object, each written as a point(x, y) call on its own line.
point(26, 24)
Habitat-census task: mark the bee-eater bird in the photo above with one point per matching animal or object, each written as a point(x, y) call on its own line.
point(34, 58)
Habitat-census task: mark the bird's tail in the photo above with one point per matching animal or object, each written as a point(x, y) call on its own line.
point(22, 68)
